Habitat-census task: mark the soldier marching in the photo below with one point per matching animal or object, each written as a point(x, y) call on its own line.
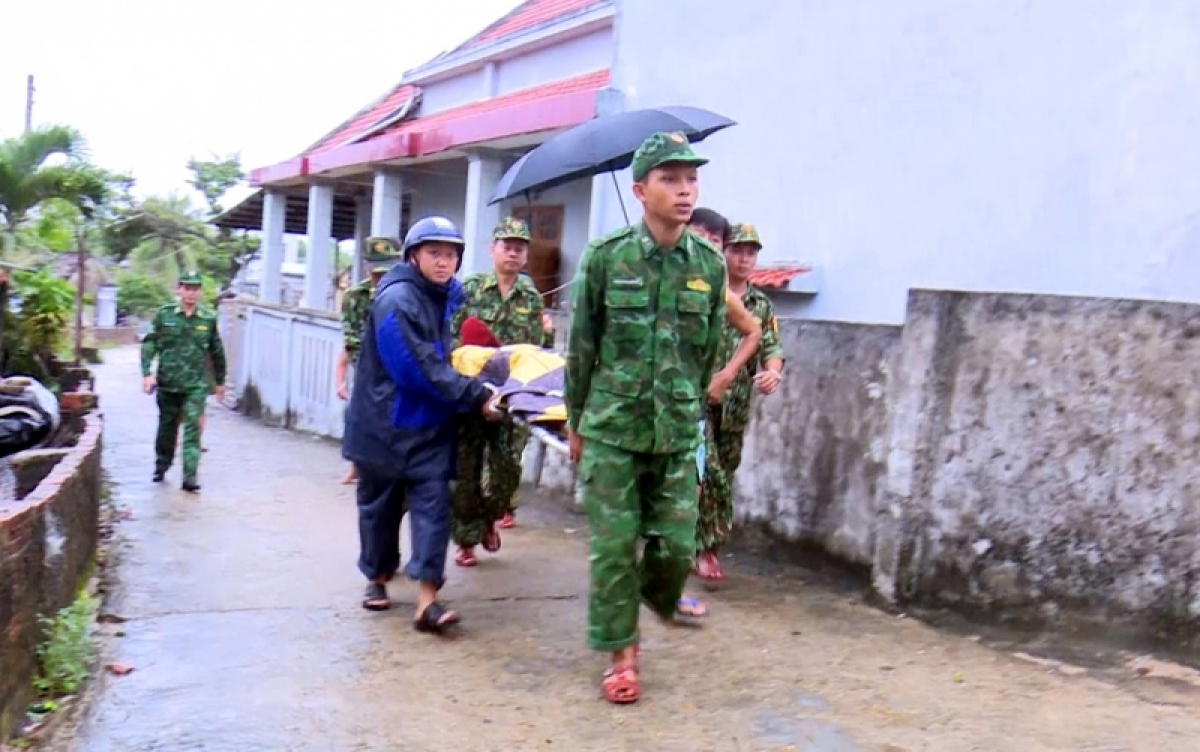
point(646, 330)
point(191, 364)
point(489, 457)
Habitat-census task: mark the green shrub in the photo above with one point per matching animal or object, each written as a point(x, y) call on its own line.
point(65, 655)
point(142, 294)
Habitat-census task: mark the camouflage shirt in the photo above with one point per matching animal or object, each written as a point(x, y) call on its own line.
point(355, 305)
point(186, 348)
point(737, 399)
point(645, 335)
point(515, 320)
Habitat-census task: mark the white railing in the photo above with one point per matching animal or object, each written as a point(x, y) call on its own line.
point(281, 364)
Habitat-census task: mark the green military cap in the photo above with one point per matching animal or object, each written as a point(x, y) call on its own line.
point(744, 233)
point(511, 228)
point(382, 250)
point(189, 277)
point(661, 149)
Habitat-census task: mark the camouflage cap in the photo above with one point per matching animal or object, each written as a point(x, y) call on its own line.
point(743, 233)
point(661, 149)
point(382, 250)
point(512, 228)
point(189, 277)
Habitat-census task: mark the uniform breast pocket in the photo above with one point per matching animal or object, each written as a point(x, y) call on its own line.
point(693, 309)
point(169, 334)
point(628, 314)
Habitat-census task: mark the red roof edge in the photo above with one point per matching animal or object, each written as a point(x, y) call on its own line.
point(293, 168)
point(776, 277)
point(542, 114)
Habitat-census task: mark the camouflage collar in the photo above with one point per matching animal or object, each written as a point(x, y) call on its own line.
point(650, 245)
point(491, 279)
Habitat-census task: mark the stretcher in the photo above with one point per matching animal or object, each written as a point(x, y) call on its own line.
point(529, 382)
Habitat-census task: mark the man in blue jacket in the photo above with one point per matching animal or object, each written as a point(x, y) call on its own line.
point(400, 431)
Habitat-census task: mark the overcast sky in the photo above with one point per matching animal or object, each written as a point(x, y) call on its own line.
point(153, 82)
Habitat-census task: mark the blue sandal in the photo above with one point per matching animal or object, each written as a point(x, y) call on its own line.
point(691, 608)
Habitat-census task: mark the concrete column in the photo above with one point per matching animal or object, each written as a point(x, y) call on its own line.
point(386, 204)
point(362, 230)
point(482, 175)
point(273, 224)
point(317, 267)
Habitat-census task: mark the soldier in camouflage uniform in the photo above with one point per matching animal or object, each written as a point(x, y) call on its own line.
point(489, 454)
point(381, 254)
point(648, 310)
point(185, 340)
point(726, 423)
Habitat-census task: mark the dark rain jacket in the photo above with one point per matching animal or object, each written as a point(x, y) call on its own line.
point(400, 420)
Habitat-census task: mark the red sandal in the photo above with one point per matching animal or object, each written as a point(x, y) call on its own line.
point(621, 686)
point(465, 558)
point(490, 540)
point(508, 521)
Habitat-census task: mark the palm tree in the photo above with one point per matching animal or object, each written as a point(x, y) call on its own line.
point(26, 180)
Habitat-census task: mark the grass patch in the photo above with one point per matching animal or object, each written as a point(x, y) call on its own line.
point(66, 653)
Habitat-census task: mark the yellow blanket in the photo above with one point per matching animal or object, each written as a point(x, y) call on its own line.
point(530, 378)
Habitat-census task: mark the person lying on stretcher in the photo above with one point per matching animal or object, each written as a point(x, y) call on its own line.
point(529, 378)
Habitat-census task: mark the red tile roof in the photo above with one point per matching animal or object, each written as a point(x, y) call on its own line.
point(776, 277)
point(364, 119)
point(586, 82)
point(530, 14)
point(526, 16)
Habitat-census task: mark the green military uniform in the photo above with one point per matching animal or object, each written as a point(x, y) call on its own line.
point(489, 454)
point(185, 347)
point(725, 431)
point(382, 252)
point(644, 338)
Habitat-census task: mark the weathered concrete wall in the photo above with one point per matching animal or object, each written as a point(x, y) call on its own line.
point(1045, 455)
point(47, 543)
point(815, 453)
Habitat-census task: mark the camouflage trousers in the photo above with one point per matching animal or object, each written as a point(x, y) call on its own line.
point(489, 474)
point(174, 408)
point(630, 495)
point(723, 455)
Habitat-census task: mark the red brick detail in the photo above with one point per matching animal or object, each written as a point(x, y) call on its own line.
point(77, 402)
point(776, 277)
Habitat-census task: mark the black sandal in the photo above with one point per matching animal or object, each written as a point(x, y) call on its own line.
point(376, 597)
point(435, 619)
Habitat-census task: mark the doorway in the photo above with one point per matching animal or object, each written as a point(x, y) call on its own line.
point(545, 247)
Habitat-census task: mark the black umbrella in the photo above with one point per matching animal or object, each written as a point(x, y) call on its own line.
point(603, 144)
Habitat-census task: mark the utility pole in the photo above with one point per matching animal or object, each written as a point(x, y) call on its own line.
point(29, 103)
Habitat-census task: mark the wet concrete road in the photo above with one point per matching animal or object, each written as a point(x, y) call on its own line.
point(246, 634)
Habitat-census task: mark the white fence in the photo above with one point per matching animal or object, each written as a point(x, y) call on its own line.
point(281, 364)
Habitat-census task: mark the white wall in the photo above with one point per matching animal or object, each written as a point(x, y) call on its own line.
point(573, 57)
point(1040, 147)
point(438, 194)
